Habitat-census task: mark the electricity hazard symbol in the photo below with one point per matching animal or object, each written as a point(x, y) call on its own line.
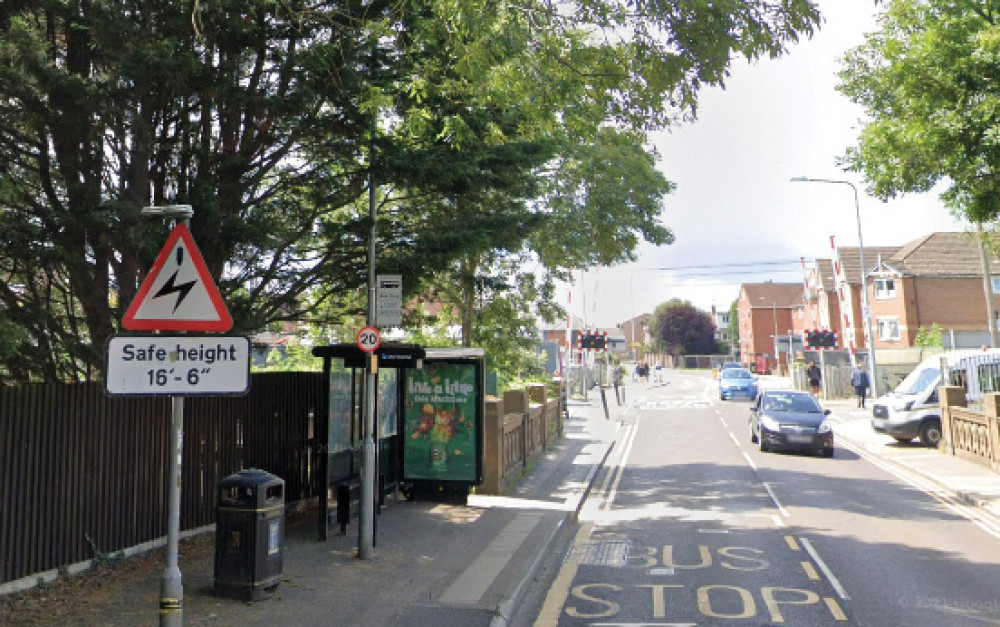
point(178, 293)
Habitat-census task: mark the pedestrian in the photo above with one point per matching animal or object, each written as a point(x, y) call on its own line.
point(860, 383)
point(814, 376)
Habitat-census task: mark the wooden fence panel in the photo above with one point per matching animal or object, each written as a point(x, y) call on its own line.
point(83, 474)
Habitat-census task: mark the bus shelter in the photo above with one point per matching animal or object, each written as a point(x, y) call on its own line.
point(429, 407)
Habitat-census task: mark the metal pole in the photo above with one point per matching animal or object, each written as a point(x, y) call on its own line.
point(368, 478)
point(984, 260)
point(866, 312)
point(171, 583)
point(774, 318)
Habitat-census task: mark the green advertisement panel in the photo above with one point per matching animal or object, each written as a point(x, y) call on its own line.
point(441, 405)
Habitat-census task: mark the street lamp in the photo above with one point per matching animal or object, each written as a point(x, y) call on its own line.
point(866, 307)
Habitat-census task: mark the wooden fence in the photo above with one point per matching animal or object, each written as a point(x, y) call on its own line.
point(83, 475)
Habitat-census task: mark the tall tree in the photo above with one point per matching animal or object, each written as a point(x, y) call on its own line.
point(680, 328)
point(927, 81)
point(260, 115)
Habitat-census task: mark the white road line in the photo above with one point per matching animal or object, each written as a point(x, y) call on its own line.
point(826, 569)
point(774, 497)
point(621, 464)
point(750, 462)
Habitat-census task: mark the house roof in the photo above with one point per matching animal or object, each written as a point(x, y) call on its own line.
point(783, 295)
point(850, 257)
point(825, 278)
point(940, 254)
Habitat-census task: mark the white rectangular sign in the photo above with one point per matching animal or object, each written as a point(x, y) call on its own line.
point(178, 365)
point(389, 300)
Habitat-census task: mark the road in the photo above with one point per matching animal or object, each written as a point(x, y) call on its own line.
point(690, 524)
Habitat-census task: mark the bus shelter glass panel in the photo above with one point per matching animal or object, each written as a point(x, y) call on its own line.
point(388, 402)
point(345, 413)
point(441, 422)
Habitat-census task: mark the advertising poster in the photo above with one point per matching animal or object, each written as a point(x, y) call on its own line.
point(440, 422)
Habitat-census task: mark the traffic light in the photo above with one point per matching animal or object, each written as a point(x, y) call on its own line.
point(593, 341)
point(821, 338)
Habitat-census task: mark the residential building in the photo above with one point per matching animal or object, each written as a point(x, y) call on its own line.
point(934, 280)
point(770, 316)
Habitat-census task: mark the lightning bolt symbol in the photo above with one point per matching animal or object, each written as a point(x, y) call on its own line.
point(181, 290)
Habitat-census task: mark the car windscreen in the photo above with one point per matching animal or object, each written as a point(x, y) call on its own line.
point(918, 381)
point(796, 403)
point(736, 374)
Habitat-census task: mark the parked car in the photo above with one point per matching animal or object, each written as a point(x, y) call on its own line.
point(913, 410)
point(790, 420)
point(725, 366)
point(735, 382)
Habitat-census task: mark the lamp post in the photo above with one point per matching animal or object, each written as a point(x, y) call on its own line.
point(866, 312)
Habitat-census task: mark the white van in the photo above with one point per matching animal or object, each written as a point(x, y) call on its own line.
point(913, 409)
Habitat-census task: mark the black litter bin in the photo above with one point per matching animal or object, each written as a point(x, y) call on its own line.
point(249, 534)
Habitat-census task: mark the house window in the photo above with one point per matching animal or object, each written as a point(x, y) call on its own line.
point(888, 329)
point(885, 288)
point(995, 283)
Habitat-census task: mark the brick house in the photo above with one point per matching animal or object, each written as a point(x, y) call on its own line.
point(767, 310)
point(936, 279)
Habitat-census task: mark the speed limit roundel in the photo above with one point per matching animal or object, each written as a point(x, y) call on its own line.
point(369, 339)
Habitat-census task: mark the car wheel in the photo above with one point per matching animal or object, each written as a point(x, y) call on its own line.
point(762, 445)
point(930, 433)
point(753, 436)
point(903, 440)
point(826, 452)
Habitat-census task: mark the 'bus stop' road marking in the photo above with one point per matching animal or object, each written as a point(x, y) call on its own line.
point(477, 578)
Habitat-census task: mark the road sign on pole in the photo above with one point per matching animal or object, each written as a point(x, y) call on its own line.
point(389, 300)
point(178, 294)
point(369, 339)
point(179, 365)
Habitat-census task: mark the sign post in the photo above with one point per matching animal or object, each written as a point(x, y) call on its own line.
point(178, 294)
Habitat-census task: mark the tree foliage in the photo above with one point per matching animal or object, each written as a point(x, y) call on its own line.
point(679, 328)
point(490, 129)
point(927, 81)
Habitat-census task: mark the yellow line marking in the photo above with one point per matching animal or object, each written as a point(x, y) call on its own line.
point(792, 543)
point(556, 598)
point(810, 571)
point(838, 614)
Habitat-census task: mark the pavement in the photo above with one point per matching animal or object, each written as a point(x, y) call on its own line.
point(433, 564)
point(443, 565)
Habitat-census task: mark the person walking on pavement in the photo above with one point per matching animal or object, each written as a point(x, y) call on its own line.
point(860, 383)
point(814, 376)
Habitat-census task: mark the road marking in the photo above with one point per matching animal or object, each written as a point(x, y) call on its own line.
point(559, 592)
point(792, 543)
point(750, 462)
point(477, 578)
point(946, 497)
point(810, 571)
point(834, 607)
point(826, 570)
point(774, 497)
point(620, 465)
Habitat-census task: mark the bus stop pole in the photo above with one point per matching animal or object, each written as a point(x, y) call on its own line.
point(367, 510)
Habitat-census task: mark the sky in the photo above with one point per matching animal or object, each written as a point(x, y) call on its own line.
point(735, 214)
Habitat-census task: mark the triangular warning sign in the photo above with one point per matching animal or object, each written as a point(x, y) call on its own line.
point(178, 294)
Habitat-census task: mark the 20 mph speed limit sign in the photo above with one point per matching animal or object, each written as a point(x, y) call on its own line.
point(369, 339)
